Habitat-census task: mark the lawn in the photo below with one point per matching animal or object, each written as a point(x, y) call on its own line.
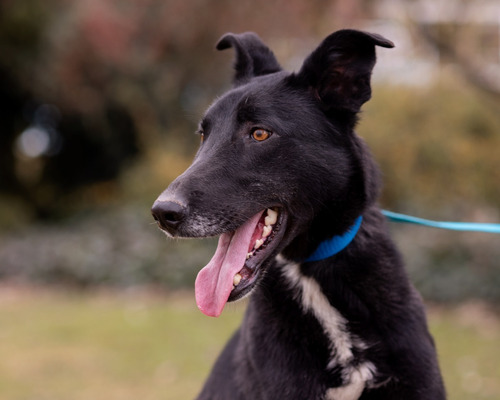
point(58, 345)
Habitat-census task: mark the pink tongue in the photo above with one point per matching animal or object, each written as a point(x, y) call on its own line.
point(215, 281)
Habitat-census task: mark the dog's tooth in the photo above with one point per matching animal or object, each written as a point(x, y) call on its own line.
point(258, 243)
point(267, 231)
point(271, 218)
point(236, 279)
point(249, 255)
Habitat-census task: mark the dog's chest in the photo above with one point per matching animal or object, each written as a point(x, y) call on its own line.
point(343, 346)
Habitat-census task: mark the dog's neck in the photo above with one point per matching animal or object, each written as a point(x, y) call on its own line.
point(336, 244)
point(326, 236)
point(349, 270)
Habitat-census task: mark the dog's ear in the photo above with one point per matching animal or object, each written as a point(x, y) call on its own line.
point(339, 70)
point(253, 57)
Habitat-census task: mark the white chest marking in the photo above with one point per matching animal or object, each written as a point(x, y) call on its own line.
point(311, 298)
point(358, 378)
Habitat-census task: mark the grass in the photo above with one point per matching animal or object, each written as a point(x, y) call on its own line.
point(64, 346)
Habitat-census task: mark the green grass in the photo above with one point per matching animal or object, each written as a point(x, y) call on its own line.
point(133, 345)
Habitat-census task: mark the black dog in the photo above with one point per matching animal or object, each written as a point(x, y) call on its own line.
point(291, 190)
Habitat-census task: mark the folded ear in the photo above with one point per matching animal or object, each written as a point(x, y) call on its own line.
point(339, 70)
point(253, 58)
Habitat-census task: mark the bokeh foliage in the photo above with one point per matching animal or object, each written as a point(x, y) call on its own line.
point(118, 87)
point(438, 149)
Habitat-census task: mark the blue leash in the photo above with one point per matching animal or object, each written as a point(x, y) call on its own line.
point(454, 226)
point(338, 243)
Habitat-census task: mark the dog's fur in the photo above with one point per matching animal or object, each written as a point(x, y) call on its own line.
point(347, 327)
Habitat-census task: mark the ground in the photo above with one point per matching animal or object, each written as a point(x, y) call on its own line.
point(61, 344)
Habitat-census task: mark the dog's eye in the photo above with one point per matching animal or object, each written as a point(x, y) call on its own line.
point(260, 135)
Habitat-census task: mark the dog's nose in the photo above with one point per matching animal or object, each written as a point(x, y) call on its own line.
point(168, 214)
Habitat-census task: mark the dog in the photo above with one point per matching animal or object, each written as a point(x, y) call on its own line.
point(291, 190)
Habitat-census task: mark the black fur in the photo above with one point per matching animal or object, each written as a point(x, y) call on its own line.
point(322, 177)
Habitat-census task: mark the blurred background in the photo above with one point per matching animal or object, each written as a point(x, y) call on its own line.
point(99, 102)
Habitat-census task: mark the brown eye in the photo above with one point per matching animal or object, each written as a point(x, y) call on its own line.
point(260, 135)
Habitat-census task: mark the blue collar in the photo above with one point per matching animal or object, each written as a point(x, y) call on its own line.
point(336, 244)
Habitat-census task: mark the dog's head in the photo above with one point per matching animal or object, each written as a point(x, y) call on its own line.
point(279, 168)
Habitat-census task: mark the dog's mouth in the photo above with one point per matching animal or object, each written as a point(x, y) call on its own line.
point(238, 261)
